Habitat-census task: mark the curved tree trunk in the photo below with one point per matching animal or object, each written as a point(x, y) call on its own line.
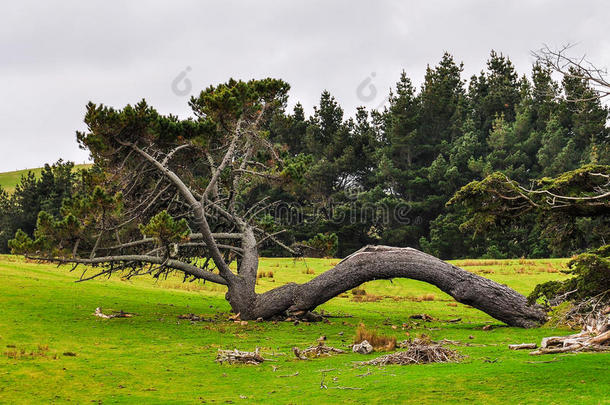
point(384, 262)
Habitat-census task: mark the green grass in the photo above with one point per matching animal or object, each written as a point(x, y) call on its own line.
point(8, 180)
point(156, 358)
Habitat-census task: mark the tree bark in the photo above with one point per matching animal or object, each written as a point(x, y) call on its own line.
point(384, 262)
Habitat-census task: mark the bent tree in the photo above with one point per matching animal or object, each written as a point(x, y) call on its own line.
point(170, 195)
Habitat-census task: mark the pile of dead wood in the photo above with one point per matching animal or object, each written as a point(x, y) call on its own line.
point(239, 357)
point(319, 350)
point(580, 342)
point(417, 353)
point(594, 337)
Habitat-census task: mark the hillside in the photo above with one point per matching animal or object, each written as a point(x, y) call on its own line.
point(8, 180)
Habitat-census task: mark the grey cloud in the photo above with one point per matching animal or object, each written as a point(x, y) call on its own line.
point(56, 56)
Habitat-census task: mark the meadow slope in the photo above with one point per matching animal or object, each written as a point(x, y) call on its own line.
point(54, 350)
point(8, 180)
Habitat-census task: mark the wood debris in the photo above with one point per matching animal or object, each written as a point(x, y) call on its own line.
point(423, 317)
point(445, 342)
point(239, 357)
point(594, 337)
point(194, 318)
point(417, 354)
point(580, 342)
point(98, 312)
point(523, 346)
point(316, 351)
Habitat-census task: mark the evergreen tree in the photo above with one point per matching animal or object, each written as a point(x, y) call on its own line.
point(494, 93)
point(32, 195)
point(582, 113)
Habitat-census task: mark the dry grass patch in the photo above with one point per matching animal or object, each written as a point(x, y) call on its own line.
point(419, 298)
point(360, 295)
point(359, 291)
point(483, 271)
point(195, 286)
point(15, 353)
point(525, 262)
point(377, 340)
point(470, 263)
point(523, 270)
point(367, 298)
point(550, 269)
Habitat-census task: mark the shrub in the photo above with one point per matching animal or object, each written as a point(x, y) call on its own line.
point(591, 273)
point(326, 244)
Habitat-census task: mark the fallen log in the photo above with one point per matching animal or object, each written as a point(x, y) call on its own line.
point(575, 348)
point(601, 339)
point(554, 350)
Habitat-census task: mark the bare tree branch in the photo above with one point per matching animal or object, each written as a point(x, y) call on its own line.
point(577, 68)
point(169, 263)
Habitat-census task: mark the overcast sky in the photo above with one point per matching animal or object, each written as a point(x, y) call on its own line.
point(56, 56)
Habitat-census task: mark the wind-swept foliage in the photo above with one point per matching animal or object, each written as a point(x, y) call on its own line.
point(590, 278)
point(153, 176)
point(169, 195)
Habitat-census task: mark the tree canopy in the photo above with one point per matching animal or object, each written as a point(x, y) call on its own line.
point(380, 177)
point(169, 195)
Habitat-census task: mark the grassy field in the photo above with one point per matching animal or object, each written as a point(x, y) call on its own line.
point(54, 350)
point(8, 180)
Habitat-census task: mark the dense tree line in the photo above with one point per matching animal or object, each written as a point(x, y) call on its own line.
point(20, 209)
point(385, 177)
point(430, 142)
